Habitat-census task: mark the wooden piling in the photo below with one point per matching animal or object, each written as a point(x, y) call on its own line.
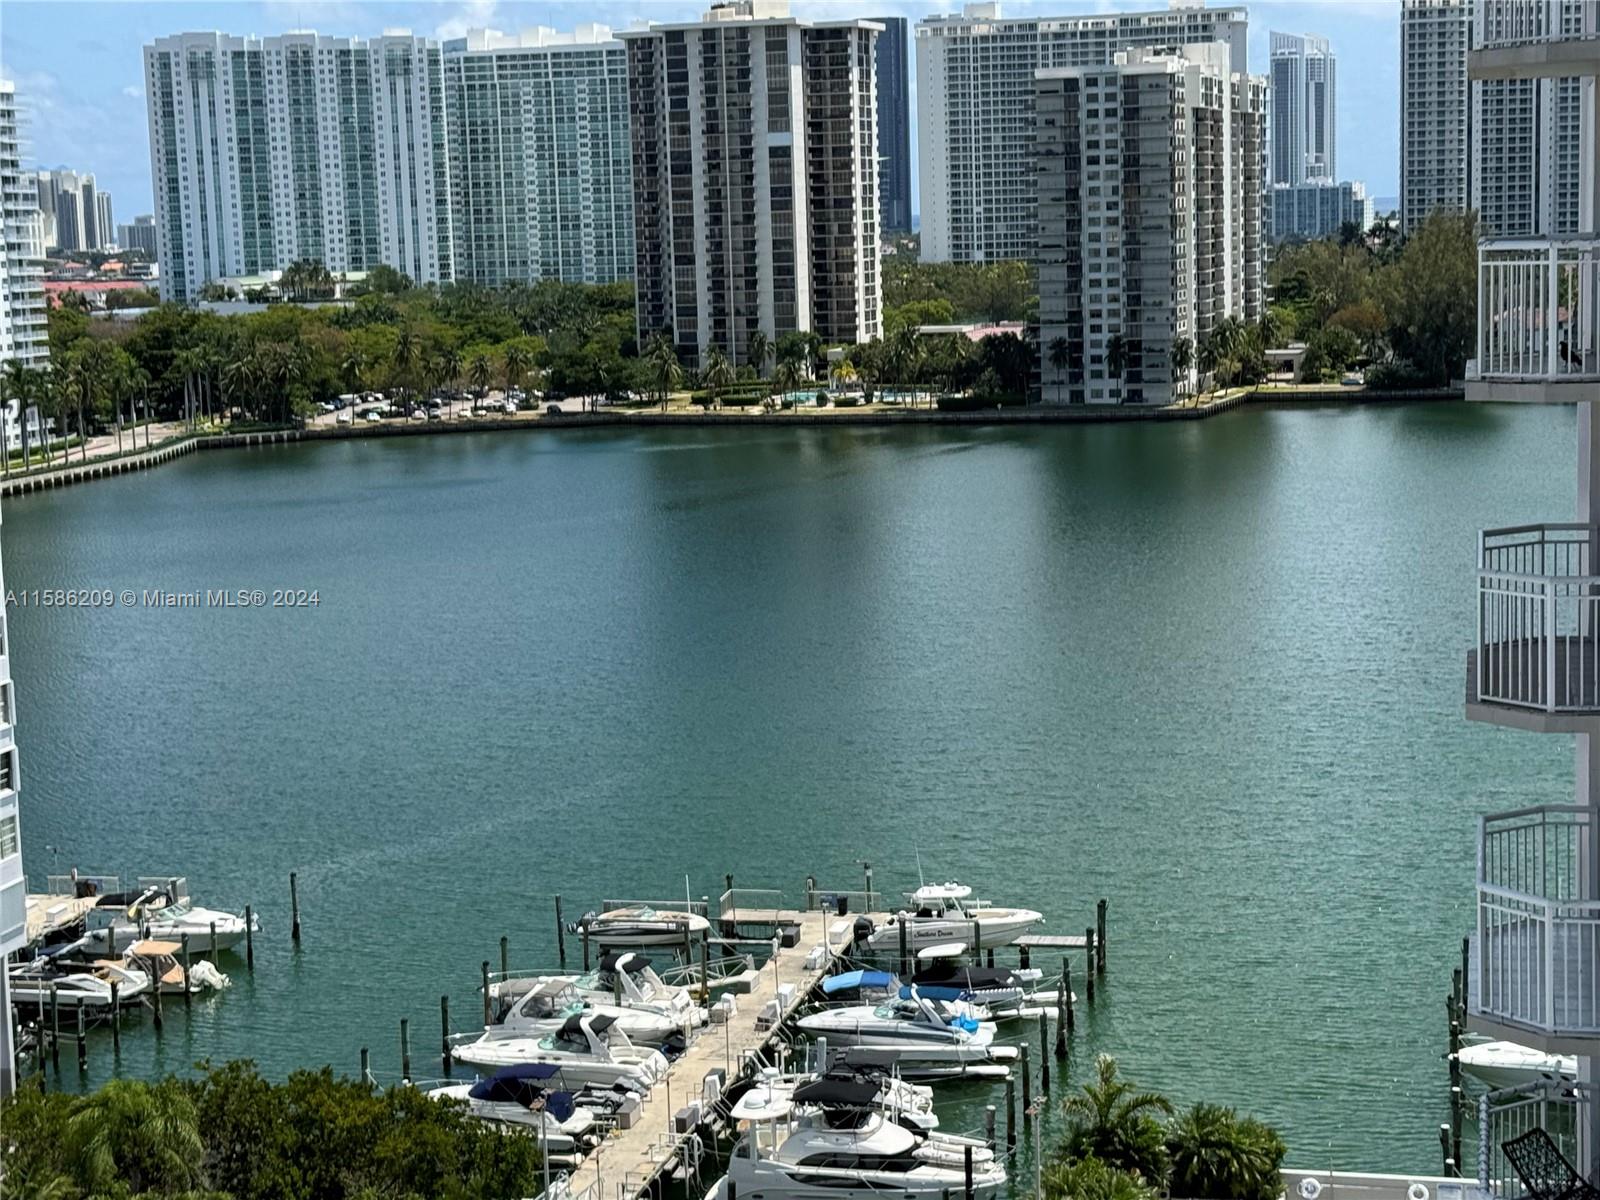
point(1457, 1104)
point(977, 943)
point(444, 1031)
point(213, 941)
point(83, 1043)
point(366, 1066)
point(1023, 951)
point(988, 1126)
point(187, 996)
point(1100, 937)
point(989, 957)
point(505, 958)
point(1064, 999)
point(294, 908)
point(1011, 1113)
point(705, 968)
point(561, 935)
point(155, 998)
point(1027, 1082)
point(905, 969)
point(55, 1030)
point(488, 1016)
point(1044, 1055)
point(1088, 961)
point(967, 1169)
point(116, 1019)
point(1466, 973)
point(584, 933)
point(249, 938)
point(405, 1049)
point(1444, 1149)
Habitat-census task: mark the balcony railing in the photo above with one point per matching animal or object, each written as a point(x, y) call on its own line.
point(1538, 616)
point(1503, 1115)
point(1537, 942)
point(1539, 308)
point(1498, 23)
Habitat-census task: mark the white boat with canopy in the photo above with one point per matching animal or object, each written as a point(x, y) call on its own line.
point(946, 912)
point(589, 1050)
point(547, 1006)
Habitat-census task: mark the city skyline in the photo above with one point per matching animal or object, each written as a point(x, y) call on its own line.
point(83, 94)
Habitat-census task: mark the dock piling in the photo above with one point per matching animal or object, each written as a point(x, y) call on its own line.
point(83, 1043)
point(988, 1126)
point(1027, 1083)
point(1100, 936)
point(1064, 999)
point(905, 967)
point(55, 1030)
point(1457, 1104)
point(249, 938)
point(561, 935)
point(487, 1016)
point(584, 933)
point(444, 1031)
point(155, 1000)
point(1044, 1056)
point(187, 998)
point(213, 941)
point(967, 1167)
point(1444, 1148)
point(366, 1065)
point(294, 908)
point(977, 943)
point(405, 1049)
point(116, 1018)
point(505, 958)
point(1088, 960)
point(1023, 950)
point(705, 968)
point(1011, 1113)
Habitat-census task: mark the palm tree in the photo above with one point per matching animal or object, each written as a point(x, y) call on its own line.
point(1182, 359)
point(665, 370)
point(517, 363)
point(135, 1136)
point(138, 386)
point(1112, 1121)
point(787, 377)
point(1091, 1179)
point(407, 350)
point(15, 384)
point(354, 369)
point(1116, 358)
point(1218, 1156)
point(759, 349)
point(1059, 355)
point(447, 368)
point(718, 372)
point(479, 372)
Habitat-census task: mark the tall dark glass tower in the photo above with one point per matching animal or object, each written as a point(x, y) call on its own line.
point(894, 125)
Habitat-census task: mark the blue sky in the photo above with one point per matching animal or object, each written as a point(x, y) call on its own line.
point(78, 68)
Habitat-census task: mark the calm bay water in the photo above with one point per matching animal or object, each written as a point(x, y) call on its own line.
point(1211, 671)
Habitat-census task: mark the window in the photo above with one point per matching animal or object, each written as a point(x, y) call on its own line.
point(9, 842)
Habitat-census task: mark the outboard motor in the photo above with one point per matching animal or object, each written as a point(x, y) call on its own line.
point(862, 930)
point(582, 922)
point(844, 905)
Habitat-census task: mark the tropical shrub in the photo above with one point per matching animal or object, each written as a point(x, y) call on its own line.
point(1091, 1179)
point(1109, 1119)
point(1218, 1155)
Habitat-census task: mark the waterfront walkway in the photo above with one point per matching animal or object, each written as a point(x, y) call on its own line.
point(652, 418)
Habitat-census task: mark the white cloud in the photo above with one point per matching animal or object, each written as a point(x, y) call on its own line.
point(134, 91)
point(474, 14)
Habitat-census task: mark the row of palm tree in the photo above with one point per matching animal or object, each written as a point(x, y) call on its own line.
point(100, 379)
point(1231, 352)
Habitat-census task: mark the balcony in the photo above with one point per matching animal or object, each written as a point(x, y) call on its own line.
point(1536, 664)
point(1534, 39)
point(1538, 320)
point(1557, 1108)
point(1535, 959)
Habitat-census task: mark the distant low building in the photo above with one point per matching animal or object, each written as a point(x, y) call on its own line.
point(1317, 209)
point(141, 235)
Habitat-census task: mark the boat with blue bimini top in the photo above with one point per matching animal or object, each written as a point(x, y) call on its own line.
point(912, 1034)
point(523, 1096)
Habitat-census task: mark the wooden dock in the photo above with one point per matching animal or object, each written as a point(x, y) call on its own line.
point(629, 1160)
point(49, 913)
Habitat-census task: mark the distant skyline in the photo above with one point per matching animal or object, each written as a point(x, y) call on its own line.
point(79, 68)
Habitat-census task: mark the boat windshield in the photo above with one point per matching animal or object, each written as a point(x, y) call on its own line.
point(896, 1010)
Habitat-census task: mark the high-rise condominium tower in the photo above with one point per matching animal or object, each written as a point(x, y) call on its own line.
point(1150, 176)
point(755, 178)
point(894, 124)
point(22, 312)
point(265, 151)
point(975, 96)
point(1435, 108)
point(1303, 134)
point(540, 163)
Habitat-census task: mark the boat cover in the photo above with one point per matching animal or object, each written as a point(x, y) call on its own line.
point(971, 978)
point(851, 1093)
point(573, 1028)
point(629, 961)
point(512, 1087)
point(856, 979)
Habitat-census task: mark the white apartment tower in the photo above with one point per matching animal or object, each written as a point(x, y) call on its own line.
point(1303, 134)
point(755, 178)
point(264, 151)
point(540, 161)
point(975, 95)
point(1151, 224)
point(23, 331)
point(1435, 109)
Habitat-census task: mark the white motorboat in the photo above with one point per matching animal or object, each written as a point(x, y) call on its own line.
point(1506, 1064)
point(159, 960)
point(909, 1029)
point(163, 911)
point(589, 1051)
point(546, 1007)
point(642, 925)
point(521, 1096)
point(629, 979)
point(838, 1150)
point(48, 980)
point(945, 912)
point(908, 1103)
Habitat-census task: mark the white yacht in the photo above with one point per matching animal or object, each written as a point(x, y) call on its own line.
point(904, 1030)
point(74, 985)
point(909, 1104)
point(945, 912)
point(835, 1150)
point(622, 978)
point(642, 925)
point(546, 1007)
point(589, 1051)
point(1507, 1064)
point(521, 1096)
point(166, 912)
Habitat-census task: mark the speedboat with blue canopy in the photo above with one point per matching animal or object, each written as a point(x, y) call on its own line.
point(909, 1029)
point(523, 1095)
point(858, 986)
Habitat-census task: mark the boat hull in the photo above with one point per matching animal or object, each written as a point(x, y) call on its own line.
point(1506, 1064)
point(999, 929)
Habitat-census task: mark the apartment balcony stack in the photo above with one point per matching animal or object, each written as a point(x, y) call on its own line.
point(1534, 955)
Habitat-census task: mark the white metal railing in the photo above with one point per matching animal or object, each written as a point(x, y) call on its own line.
point(1506, 1114)
point(1497, 23)
point(1538, 939)
point(1538, 614)
point(1539, 308)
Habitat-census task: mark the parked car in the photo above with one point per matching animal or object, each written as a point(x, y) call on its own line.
point(435, 415)
point(344, 417)
point(1353, 379)
point(374, 415)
